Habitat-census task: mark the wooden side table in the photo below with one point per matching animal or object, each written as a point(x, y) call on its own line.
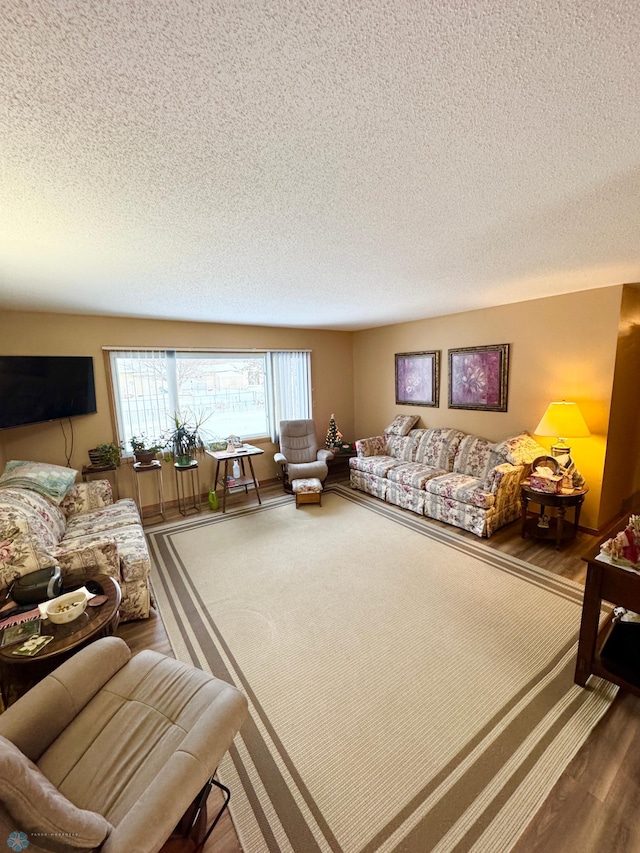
point(242, 453)
point(554, 528)
point(606, 651)
point(19, 674)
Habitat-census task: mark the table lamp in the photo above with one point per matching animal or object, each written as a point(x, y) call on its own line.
point(562, 420)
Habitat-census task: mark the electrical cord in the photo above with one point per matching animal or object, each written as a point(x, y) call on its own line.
point(68, 453)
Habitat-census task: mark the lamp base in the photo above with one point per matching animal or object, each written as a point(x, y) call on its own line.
point(560, 450)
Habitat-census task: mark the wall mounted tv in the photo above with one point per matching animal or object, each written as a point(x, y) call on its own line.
point(41, 388)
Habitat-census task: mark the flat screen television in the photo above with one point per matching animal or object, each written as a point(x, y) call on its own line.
point(41, 388)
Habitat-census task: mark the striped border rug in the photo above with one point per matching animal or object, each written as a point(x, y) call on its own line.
point(409, 689)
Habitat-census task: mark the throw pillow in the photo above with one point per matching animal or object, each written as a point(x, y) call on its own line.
point(402, 424)
point(520, 450)
point(40, 810)
point(52, 481)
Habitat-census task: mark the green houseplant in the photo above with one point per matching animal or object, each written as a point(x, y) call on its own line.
point(186, 439)
point(105, 455)
point(145, 450)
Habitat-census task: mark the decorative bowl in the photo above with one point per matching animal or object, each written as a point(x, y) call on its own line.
point(67, 607)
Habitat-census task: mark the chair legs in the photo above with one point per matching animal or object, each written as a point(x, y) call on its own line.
point(193, 823)
point(201, 804)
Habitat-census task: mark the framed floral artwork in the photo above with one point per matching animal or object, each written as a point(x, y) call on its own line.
point(418, 378)
point(478, 378)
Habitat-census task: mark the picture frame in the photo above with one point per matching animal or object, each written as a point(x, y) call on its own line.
point(478, 378)
point(418, 378)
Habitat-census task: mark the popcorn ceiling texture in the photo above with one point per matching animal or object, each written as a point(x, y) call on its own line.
point(314, 163)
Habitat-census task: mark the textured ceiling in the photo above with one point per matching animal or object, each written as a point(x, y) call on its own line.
point(314, 163)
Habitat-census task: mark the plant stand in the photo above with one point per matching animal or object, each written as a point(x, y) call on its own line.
point(138, 469)
point(194, 496)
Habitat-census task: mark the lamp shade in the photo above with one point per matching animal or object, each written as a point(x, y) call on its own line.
point(563, 420)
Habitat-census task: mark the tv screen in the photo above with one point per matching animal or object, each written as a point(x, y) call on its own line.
point(41, 388)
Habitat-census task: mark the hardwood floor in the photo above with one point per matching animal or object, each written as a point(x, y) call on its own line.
point(594, 805)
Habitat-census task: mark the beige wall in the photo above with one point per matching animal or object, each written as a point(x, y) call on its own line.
point(23, 333)
point(562, 347)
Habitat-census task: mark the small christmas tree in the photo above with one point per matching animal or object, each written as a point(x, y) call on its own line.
point(334, 436)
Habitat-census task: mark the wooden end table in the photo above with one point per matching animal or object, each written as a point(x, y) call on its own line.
point(556, 529)
point(19, 674)
point(242, 453)
point(598, 653)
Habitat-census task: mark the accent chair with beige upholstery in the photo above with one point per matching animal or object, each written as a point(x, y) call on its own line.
point(110, 751)
point(299, 454)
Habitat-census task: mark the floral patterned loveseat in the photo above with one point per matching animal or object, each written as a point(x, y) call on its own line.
point(443, 473)
point(46, 519)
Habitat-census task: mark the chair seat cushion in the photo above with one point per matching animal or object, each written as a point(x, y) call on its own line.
point(39, 809)
point(306, 470)
point(306, 485)
point(154, 712)
point(460, 487)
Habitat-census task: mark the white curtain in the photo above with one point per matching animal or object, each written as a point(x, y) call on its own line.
point(290, 388)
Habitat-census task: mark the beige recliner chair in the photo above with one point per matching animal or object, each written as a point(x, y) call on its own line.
point(299, 455)
point(110, 751)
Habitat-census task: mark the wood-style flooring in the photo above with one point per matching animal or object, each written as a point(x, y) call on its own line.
point(593, 807)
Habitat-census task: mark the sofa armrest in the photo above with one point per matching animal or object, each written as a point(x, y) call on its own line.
point(84, 497)
point(41, 715)
point(280, 458)
point(88, 554)
point(376, 445)
point(503, 481)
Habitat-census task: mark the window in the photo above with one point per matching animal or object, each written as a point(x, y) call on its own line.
point(240, 393)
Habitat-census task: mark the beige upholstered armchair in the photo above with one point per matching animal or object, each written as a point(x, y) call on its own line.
point(110, 751)
point(299, 454)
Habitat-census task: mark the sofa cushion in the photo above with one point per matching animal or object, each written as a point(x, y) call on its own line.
point(520, 450)
point(401, 424)
point(131, 549)
point(378, 465)
point(52, 481)
point(39, 809)
point(120, 514)
point(438, 447)
point(43, 518)
point(401, 447)
point(413, 474)
point(461, 487)
point(474, 457)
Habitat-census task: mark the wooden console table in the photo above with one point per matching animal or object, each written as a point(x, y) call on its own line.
point(604, 652)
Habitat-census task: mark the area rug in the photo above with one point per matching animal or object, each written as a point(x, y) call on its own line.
point(409, 690)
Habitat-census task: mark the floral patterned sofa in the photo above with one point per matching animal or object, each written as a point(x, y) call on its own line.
point(443, 473)
point(47, 519)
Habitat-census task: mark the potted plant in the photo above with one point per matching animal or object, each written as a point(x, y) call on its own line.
point(144, 450)
point(106, 455)
point(185, 439)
